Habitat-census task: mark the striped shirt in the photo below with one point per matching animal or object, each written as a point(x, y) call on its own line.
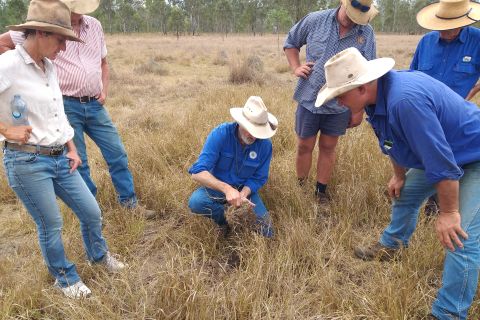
point(320, 32)
point(79, 66)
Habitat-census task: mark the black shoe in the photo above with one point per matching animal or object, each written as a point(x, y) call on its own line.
point(376, 252)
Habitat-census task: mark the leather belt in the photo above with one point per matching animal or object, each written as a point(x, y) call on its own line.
point(31, 148)
point(84, 99)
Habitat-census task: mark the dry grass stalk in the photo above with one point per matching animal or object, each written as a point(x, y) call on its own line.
point(241, 219)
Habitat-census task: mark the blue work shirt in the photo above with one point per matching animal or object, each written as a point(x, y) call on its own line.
point(320, 32)
point(231, 162)
point(421, 123)
point(455, 63)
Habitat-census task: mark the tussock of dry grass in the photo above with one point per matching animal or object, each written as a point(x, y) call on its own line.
point(179, 263)
point(151, 66)
point(247, 70)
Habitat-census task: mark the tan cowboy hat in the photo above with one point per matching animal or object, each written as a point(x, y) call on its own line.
point(348, 70)
point(49, 16)
point(360, 11)
point(82, 6)
point(449, 14)
point(255, 118)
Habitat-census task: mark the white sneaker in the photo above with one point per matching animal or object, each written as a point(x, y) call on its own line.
point(76, 291)
point(112, 264)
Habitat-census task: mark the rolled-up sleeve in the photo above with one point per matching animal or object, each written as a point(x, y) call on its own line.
point(419, 124)
point(260, 177)
point(210, 152)
point(297, 36)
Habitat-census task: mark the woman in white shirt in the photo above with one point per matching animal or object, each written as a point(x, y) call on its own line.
point(40, 157)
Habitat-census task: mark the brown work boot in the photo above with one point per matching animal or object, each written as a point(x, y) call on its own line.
point(142, 211)
point(376, 252)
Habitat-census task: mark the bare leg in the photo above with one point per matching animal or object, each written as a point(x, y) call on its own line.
point(326, 158)
point(304, 156)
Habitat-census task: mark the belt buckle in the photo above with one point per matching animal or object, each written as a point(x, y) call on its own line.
point(56, 151)
point(84, 99)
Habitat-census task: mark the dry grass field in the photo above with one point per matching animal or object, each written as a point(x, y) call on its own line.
point(165, 97)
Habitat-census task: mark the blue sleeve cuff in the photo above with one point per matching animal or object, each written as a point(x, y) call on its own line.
point(254, 187)
point(445, 175)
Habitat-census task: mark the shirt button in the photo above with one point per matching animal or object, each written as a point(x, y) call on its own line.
point(48, 85)
point(54, 99)
point(58, 130)
point(56, 115)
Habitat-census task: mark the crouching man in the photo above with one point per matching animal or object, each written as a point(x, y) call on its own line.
point(234, 165)
point(423, 125)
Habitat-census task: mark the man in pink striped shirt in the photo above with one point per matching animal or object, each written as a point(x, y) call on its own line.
point(84, 77)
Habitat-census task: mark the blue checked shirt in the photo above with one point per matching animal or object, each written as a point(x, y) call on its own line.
point(320, 32)
point(421, 123)
point(455, 63)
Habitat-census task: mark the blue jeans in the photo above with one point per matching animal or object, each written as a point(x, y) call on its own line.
point(461, 267)
point(212, 203)
point(93, 119)
point(37, 180)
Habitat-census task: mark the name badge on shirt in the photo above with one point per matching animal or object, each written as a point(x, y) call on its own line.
point(253, 155)
point(361, 39)
point(467, 59)
point(387, 144)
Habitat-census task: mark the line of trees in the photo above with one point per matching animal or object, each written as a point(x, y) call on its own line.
point(224, 16)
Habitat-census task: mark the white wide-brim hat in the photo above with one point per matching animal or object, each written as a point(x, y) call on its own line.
point(449, 14)
point(360, 11)
point(82, 6)
point(255, 118)
point(348, 70)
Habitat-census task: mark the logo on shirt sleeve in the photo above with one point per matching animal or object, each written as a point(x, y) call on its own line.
point(361, 39)
point(467, 59)
point(253, 155)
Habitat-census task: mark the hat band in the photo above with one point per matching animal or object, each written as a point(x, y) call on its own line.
point(463, 15)
point(49, 22)
point(253, 121)
point(357, 5)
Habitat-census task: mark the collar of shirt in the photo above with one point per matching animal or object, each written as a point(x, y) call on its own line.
point(462, 37)
point(28, 59)
point(354, 30)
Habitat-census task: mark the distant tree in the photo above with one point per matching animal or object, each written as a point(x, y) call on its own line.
point(278, 20)
point(176, 20)
point(223, 11)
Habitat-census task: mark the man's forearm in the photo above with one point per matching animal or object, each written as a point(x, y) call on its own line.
point(473, 92)
point(398, 170)
point(206, 179)
point(293, 57)
point(6, 42)
point(105, 76)
point(448, 191)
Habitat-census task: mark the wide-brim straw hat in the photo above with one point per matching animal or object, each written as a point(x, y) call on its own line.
point(360, 11)
point(82, 6)
point(255, 118)
point(348, 70)
point(49, 16)
point(449, 14)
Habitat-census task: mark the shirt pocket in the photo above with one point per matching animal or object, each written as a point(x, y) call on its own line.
point(425, 66)
point(463, 70)
point(225, 161)
point(248, 169)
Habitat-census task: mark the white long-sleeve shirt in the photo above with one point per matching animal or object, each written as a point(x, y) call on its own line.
point(20, 75)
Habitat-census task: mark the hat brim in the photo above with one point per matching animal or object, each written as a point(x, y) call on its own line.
point(377, 67)
point(47, 27)
point(427, 18)
point(82, 7)
point(362, 18)
point(258, 131)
